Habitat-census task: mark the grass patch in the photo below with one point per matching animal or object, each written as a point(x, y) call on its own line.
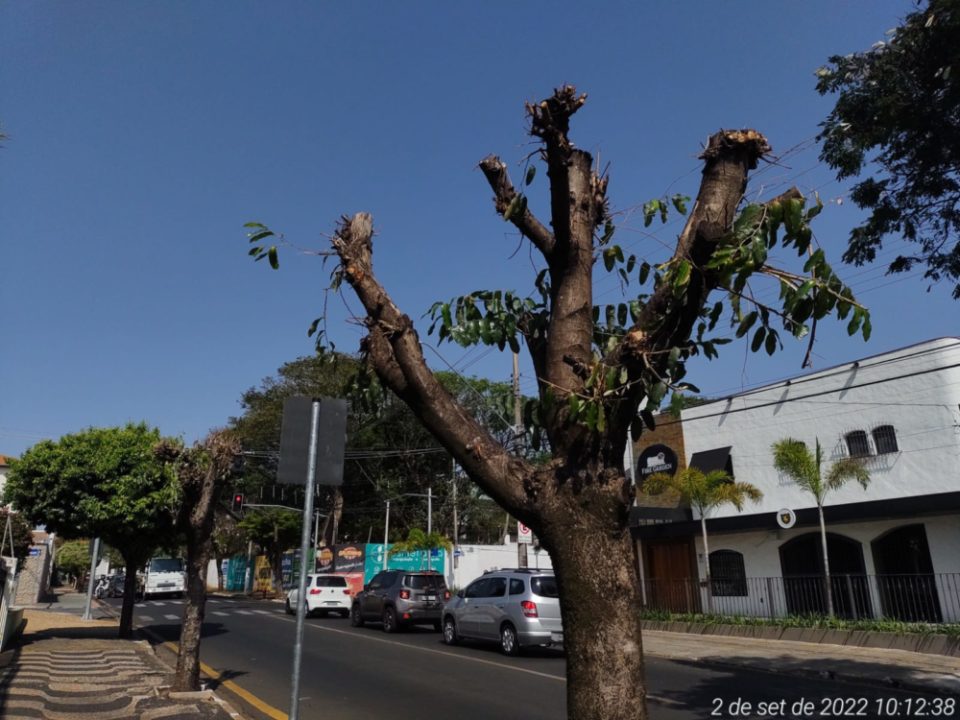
point(808, 621)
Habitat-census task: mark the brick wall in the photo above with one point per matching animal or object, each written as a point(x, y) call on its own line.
point(669, 432)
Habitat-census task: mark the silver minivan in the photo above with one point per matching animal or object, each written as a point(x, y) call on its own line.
point(517, 608)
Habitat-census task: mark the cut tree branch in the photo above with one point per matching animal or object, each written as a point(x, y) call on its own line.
point(393, 349)
point(495, 171)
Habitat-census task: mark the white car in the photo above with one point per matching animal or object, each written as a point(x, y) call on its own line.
point(325, 593)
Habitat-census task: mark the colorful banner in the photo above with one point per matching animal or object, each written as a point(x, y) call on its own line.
point(349, 559)
point(373, 562)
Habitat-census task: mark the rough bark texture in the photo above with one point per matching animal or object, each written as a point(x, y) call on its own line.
point(202, 472)
point(131, 565)
point(578, 503)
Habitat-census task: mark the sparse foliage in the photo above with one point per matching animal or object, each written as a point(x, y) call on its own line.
point(601, 368)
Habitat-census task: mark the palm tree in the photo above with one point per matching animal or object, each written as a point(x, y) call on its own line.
point(794, 459)
point(703, 492)
point(421, 543)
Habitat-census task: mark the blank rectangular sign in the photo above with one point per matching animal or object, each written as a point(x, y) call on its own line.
point(295, 441)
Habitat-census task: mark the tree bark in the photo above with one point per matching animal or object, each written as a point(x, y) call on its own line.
point(131, 565)
point(827, 584)
point(188, 654)
point(706, 560)
point(593, 560)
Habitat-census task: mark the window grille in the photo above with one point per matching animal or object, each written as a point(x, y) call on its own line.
point(728, 578)
point(885, 439)
point(857, 444)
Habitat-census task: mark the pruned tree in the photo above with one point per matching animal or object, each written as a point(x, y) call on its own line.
point(703, 492)
point(423, 544)
point(203, 473)
point(275, 530)
point(805, 468)
point(897, 123)
point(101, 482)
point(597, 366)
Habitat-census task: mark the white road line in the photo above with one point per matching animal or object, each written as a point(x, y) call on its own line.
point(148, 618)
point(171, 617)
point(243, 612)
point(221, 614)
point(264, 612)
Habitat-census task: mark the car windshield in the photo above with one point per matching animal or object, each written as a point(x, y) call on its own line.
point(545, 586)
point(422, 582)
point(160, 565)
point(331, 581)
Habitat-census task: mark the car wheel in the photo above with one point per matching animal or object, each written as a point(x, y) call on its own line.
point(289, 609)
point(450, 636)
point(356, 619)
point(508, 640)
point(389, 620)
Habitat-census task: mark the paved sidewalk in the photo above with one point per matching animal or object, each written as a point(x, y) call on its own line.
point(65, 668)
point(894, 668)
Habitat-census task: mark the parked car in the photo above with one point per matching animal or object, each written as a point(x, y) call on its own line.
point(517, 608)
point(325, 593)
point(400, 597)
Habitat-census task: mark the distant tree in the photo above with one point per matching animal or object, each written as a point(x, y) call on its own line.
point(102, 482)
point(794, 459)
point(275, 530)
point(22, 534)
point(229, 540)
point(73, 558)
point(703, 492)
point(202, 473)
point(422, 543)
point(897, 120)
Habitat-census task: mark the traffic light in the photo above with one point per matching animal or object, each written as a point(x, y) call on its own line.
point(238, 502)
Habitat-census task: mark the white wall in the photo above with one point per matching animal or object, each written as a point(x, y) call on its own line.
point(477, 559)
point(761, 558)
point(917, 390)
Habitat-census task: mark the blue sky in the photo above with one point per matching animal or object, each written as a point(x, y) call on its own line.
point(143, 135)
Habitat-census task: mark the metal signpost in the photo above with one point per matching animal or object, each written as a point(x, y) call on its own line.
point(301, 450)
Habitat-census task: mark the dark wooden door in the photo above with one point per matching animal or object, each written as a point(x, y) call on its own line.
point(672, 583)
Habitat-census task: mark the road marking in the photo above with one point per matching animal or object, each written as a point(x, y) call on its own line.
point(243, 612)
point(221, 614)
point(252, 699)
point(264, 612)
point(171, 617)
point(148, 618)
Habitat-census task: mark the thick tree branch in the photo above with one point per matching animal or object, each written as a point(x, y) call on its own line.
point(394, 350)
point(495, 171)
point(665, 320)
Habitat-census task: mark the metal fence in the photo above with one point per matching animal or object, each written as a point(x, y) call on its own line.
point(931, 598)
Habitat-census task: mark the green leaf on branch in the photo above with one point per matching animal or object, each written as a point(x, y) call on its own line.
point(680, 203)
point(531, 173)
point(758, 339)
point(274, 260)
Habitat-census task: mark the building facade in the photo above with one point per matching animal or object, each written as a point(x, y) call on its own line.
point(893, 548)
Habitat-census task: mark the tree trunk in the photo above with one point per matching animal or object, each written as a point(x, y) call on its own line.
point(601, 601)
point(827, 585)
point(129, 597)
point(706, 561)
point(188, 655)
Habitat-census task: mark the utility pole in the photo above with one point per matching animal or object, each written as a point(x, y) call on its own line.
point(429, 510)
point(93, 571)
point(456, 529)
point(386, 535)
point(518, 430)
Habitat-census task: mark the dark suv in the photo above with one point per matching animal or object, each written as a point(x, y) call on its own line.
point(401, 597)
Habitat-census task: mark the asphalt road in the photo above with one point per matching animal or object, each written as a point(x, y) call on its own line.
point(353, 673)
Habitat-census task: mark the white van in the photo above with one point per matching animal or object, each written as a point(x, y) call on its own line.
point(164, 575)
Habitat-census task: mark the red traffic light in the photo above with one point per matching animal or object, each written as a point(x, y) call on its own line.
point(238, 502)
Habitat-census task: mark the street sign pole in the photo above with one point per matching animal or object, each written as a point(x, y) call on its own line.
point(304, 546)
point(90, 584)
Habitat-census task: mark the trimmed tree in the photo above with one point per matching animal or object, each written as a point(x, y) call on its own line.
point(202, 472)
point(422, 543)
point(794, 459)
point(596, 365)
point(102, 482)
point(704, 492)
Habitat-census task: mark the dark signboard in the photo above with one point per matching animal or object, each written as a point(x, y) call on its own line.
point(656, 459)
point(295, 438)
point(324, 560)
point(349, 558)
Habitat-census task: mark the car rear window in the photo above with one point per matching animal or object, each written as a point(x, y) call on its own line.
point(545, 586)
point(422, 582)
point(331, 582)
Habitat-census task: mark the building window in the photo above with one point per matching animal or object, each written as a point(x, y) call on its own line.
point(885, 439)
point(857, 444)
point(727, 574)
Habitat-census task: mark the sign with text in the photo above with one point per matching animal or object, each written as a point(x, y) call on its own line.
point(656, 459)
point(524, 534)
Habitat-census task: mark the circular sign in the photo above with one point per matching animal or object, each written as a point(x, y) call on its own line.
point(657, 459)
point(786, 518)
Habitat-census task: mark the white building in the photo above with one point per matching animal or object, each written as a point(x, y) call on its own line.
point(894, 547)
